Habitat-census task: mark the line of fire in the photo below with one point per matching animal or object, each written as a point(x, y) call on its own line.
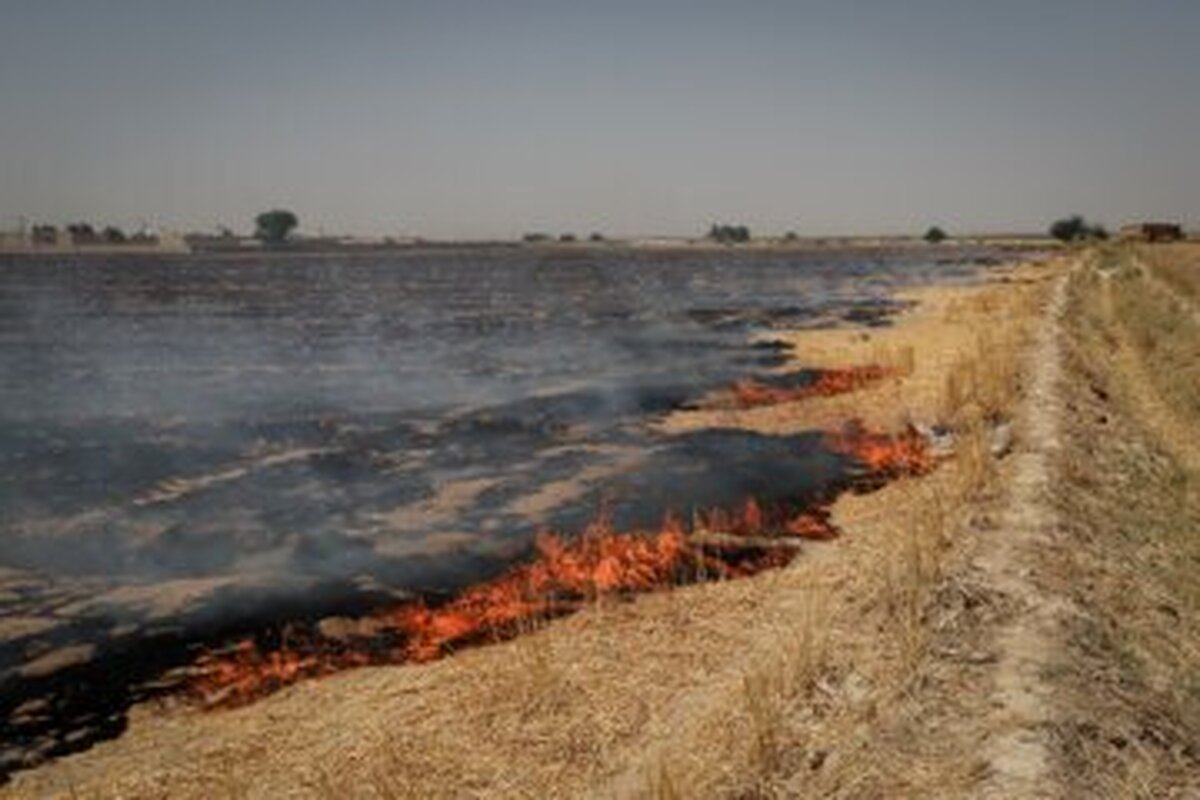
point(565, 574)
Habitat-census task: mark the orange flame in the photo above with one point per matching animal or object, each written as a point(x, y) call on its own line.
point(562, 577)
point(753, 520)
point(750, 393)
point(883, 455)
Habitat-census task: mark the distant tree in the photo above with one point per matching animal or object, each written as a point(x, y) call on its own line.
point(729, 234)
point(1076, 229)
point(534, 237)
point(81, 232)
point(274, 227)
point(44, 234)
point(567, 237)
point(114, 235)
point(1069, 229)
point(935, 235)
point(596, 237)
point(791, 236)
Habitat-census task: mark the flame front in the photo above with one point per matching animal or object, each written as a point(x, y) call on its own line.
point(751, 393)
point(883, 455)
point(563, 576)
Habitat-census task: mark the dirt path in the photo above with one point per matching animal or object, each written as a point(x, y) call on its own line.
point(1021, 706)
point(994, 707)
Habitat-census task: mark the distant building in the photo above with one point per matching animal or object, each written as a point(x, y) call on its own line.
point(225, 242)
point(1153, 232)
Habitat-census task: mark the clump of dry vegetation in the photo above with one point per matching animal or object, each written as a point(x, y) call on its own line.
point(983, 385)
point(1163, 324)
point(1178, 266)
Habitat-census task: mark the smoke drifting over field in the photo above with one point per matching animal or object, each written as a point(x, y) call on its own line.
point(195, 448)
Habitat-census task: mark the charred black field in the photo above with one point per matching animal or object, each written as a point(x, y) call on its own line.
point(199, 449)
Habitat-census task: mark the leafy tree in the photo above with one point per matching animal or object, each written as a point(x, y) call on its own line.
point(1076, 229)
point(274, 227)
point(596, 237)
point(935, 235)
point(536, 237)
point(567, 237)
point(1069, 229)
point(791, 236)
point(729, 234)
point(114, 235)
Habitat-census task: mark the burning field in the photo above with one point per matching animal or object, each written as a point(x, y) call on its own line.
point(212, 529)
point(562, 576)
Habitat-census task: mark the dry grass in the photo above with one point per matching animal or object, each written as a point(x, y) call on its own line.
point(1178, 266)
point(983, 386)
point(1164, 332)
point(1131, 499)
point(904, 592)
point(953, 340)
point(986, 381)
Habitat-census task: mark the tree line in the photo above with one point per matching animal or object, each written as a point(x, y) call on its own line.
point(86, 233)
point(274, 227)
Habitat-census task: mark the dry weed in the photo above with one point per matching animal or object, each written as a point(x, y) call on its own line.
point(662, 786)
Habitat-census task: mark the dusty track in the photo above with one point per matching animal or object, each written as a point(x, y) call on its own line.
point(976, 719)
point(1073, 687)
point(1020, 704)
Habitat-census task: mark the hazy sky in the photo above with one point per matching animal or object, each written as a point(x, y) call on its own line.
point(491, 118)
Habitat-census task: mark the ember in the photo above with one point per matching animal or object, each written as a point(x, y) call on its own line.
point(751, 393)
point(562, 577)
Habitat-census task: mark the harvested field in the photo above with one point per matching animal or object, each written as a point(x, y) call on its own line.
point(773, 672)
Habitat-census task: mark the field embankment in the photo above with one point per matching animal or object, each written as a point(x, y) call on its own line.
point(1130, 501)
point(1022, 616)
point(1063, 638)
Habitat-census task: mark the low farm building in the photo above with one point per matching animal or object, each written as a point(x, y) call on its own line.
point(1153, 232)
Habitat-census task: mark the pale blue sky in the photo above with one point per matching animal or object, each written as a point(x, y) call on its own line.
point(492, 118)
